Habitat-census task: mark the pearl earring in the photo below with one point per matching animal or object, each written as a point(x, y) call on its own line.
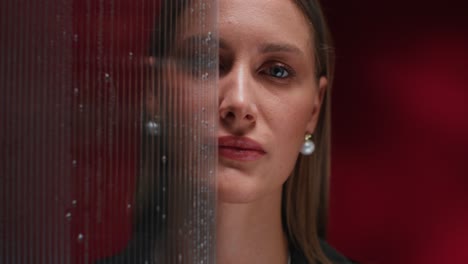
point(152, 127)
point(308, 147)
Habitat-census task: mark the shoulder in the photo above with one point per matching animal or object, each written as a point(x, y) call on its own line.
point(297, 256)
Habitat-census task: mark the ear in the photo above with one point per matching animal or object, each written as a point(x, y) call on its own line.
point(317, 104)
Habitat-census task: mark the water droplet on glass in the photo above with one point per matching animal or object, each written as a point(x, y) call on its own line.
point(81, 107)
point(80, 237)
point(130, 55)
point(192, 10)
point(152, 128)
point(74, 163)
point(158, 208)
point(180, 258)
point(68, 216)
point(203, 109)
point(164, 216)
point(129, 206)
point(107, 77)
point(164, 159)
point(208, 37)
point(205, 76)
point(75, 37)
point(76, 91)
point(164, 189)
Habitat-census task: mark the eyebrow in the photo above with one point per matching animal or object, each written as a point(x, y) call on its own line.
point(279, 47)
point(270, 47)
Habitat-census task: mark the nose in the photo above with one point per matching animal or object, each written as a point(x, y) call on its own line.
point(237, 109)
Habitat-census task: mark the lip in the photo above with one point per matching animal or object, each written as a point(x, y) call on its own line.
point(240, 148)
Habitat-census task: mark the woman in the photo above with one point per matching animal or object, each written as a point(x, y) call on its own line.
point(275, 71)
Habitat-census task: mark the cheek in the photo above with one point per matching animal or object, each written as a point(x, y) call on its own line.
point(186, 106)
point(288, 127)
point(292, 118)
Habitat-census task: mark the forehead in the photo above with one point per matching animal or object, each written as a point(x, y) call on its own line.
point(245, 21)
point(197, 18)
point(265, 21)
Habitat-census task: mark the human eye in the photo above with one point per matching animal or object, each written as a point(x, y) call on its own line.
point(224, 63)
point(278, 71)
point(196, 57)
point(196, 63)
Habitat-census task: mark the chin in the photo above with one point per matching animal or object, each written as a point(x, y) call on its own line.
point(234, 196)
point(234, 187)
point(241, 189)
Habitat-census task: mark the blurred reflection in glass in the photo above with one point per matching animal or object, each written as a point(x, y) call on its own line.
point(175, 197)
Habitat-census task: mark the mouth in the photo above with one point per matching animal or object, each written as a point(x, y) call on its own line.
point(239, 148)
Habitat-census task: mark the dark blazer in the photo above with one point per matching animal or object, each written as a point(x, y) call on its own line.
point(297, 257)
point(139, 252)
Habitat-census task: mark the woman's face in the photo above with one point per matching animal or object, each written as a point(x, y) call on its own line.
point(269, 96)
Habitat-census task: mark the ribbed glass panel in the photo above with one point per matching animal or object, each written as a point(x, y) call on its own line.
point(108, 120)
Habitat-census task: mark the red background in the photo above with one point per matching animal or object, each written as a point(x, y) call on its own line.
point(111, 43)
point(400, 126)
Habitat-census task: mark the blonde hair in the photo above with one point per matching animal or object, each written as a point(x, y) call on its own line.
point(305, 193)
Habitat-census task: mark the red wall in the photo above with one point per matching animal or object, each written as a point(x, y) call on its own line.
point(400, 120)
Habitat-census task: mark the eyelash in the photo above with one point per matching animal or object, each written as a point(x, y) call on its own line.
point(288, 71)
point(196, 64)
point(266, 69)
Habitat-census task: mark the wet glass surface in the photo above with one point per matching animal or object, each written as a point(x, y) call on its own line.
point(108, 121)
